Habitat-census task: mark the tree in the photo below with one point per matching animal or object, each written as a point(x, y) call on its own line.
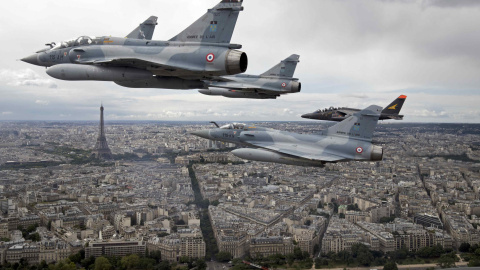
point(180, 222)
point(353, 207)
point(184, 259)
point(129, 262)
point(363, 254)
point(76, 258)
point(290, 259)
point(474, 262)
point(35, 237)
point(87, 262)
point(473, 248)
point(23, 262)
point(297, 254)
point(387, 219)
point(164, 265)
point(102, 263)
point(223, 256)
point(156, 255)
point(446, 261)
point(390, 266)
point(365, 258)
point(464, 247)
point(201, 264)
point(32, 228)
point(63, 265)
point(43, 265)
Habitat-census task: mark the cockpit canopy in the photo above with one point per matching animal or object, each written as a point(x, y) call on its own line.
point(326, 110)
point(80, 41)
point(234, 126)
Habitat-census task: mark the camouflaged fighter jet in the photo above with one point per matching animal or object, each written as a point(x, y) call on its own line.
point(200, 52)
point(339, 114)
point(269, 85)
point(348, 140)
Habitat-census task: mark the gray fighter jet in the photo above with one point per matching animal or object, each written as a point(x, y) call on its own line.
point(339, 114)
point(269, 85)
point(348, 140)
point(200, 52)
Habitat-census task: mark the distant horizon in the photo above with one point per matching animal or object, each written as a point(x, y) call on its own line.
point(208, 122)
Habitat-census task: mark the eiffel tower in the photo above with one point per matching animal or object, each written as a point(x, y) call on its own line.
point(101, 148)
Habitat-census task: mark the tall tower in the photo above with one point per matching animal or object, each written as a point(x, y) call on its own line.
point(101, 148)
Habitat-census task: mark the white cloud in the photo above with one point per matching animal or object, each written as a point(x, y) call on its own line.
point(359, 96)
point(42, 102)
point(25, 77)
point(7, 113)
point(429, 113)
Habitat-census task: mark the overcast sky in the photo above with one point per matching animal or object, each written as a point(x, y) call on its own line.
point(353, 53)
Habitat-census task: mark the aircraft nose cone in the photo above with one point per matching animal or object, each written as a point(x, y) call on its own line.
point(205, 92)
point(202, 133)
point(308, 116)
point(32, 59)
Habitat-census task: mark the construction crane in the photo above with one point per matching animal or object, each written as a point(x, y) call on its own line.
point(256, 265)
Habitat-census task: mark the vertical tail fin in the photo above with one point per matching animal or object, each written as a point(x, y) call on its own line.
point(144, 30)
point(216, 26)
point(395, 107)
point(285, 68)
point(359, 126)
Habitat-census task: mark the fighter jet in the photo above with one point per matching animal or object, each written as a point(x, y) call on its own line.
point(200, 52)
point(269, 85)
point(348, 140)
point(339, 114)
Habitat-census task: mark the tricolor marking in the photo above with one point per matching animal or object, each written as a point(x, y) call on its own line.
point(210, 57)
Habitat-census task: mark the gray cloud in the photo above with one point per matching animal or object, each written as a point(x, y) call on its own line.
point(359, 96)
point(353, 53)
point(452, 3)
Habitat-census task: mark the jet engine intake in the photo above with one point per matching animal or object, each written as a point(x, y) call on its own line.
point(236, 62)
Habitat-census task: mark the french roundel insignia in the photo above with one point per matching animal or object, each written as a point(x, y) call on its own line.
point(210, 57)
point(359, 150)
point(284, 85)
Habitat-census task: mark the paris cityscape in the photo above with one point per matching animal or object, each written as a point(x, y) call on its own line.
point(232, 134)
point(80, 194)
